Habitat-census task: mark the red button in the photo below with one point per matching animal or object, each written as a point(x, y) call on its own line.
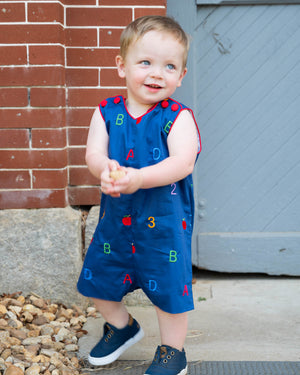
point(117, 100)
point(103, 103)
point(165, 104)
point(174, 107)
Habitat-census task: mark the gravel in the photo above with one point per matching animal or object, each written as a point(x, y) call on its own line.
point(38, 336)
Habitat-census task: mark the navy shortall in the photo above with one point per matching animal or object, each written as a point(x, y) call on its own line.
point(142, 240)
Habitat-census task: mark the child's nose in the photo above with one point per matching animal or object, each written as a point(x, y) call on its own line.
point(157, 72)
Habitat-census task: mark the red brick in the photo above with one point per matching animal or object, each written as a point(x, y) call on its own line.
point(91, 57)
point(31, 34)
point(84, 196)
point(32, 118)
point(32, 159)
point(110, 37)
point(13, 97)
point(76, 156)
point(79, 2)
point(49, 138)
point(45, 12)
point(13, 55)
point(81, 37)
point(134, 2)
point(82, 77)
point(50, 179)
point(110, 77)
point(47, 54)
point(13, 12)
point(79, 116)
point(47, 97)
point(82, 176)
point(98, 16)
point(140, 12)
point(15, 180)
point(77, 136)
point(32, 76)
point(91, 97)
point(14, 138)
point(33, 199)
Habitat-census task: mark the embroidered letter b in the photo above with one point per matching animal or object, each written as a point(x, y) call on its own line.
point(173, 256)
point(119, 120)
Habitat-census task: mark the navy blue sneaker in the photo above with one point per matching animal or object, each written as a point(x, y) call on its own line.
point(168, 361)
point(114, 342)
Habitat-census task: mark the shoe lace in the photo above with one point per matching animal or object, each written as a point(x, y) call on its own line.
point(108, 332)
point(164, 356)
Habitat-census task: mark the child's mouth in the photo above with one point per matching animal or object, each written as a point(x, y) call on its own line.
point(153, 86)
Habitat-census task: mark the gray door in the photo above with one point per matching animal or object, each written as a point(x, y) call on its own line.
point(245, 91)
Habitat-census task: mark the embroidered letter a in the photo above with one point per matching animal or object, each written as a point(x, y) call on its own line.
point(127, 278)
point(130, 154)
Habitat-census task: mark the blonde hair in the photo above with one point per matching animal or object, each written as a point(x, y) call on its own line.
point(139, 27)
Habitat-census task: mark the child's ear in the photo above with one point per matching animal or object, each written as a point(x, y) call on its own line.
point(121, 66)
point(181, 77)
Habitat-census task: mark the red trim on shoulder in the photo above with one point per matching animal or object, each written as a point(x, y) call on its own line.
point(199, 137)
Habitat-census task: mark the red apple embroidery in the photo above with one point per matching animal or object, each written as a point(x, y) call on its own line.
point(126, 220)
point(184, 224)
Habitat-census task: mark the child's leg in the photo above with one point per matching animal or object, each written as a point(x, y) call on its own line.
point(170, 356)
point(173, 328)
point(114, 313)
point(120, 331)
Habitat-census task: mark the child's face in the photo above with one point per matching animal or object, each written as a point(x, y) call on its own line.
point(153, 68)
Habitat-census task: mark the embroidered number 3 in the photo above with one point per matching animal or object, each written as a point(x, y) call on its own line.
point(152, 222)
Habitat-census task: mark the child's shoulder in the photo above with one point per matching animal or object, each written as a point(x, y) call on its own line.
point(111, 101)
point(173, 105)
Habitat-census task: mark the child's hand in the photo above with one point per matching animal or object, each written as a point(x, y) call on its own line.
point(108, 178)
point(130, 183)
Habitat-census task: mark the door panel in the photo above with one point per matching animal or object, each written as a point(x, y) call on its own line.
point(246, 86)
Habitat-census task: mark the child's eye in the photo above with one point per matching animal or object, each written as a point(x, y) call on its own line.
point(145, 62)
point(171, 66)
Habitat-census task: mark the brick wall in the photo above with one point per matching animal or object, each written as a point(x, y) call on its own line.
point(57, 64)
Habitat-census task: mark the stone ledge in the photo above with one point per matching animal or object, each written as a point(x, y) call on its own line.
point(41, 252)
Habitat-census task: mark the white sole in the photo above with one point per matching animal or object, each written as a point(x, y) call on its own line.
point(182, 372)
point(116, 354)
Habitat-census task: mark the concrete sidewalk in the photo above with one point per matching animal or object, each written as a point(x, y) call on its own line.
point(236, 318)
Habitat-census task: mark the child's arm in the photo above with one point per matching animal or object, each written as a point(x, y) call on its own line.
point(183, 148)
point(96, 156)
point(97, 145)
